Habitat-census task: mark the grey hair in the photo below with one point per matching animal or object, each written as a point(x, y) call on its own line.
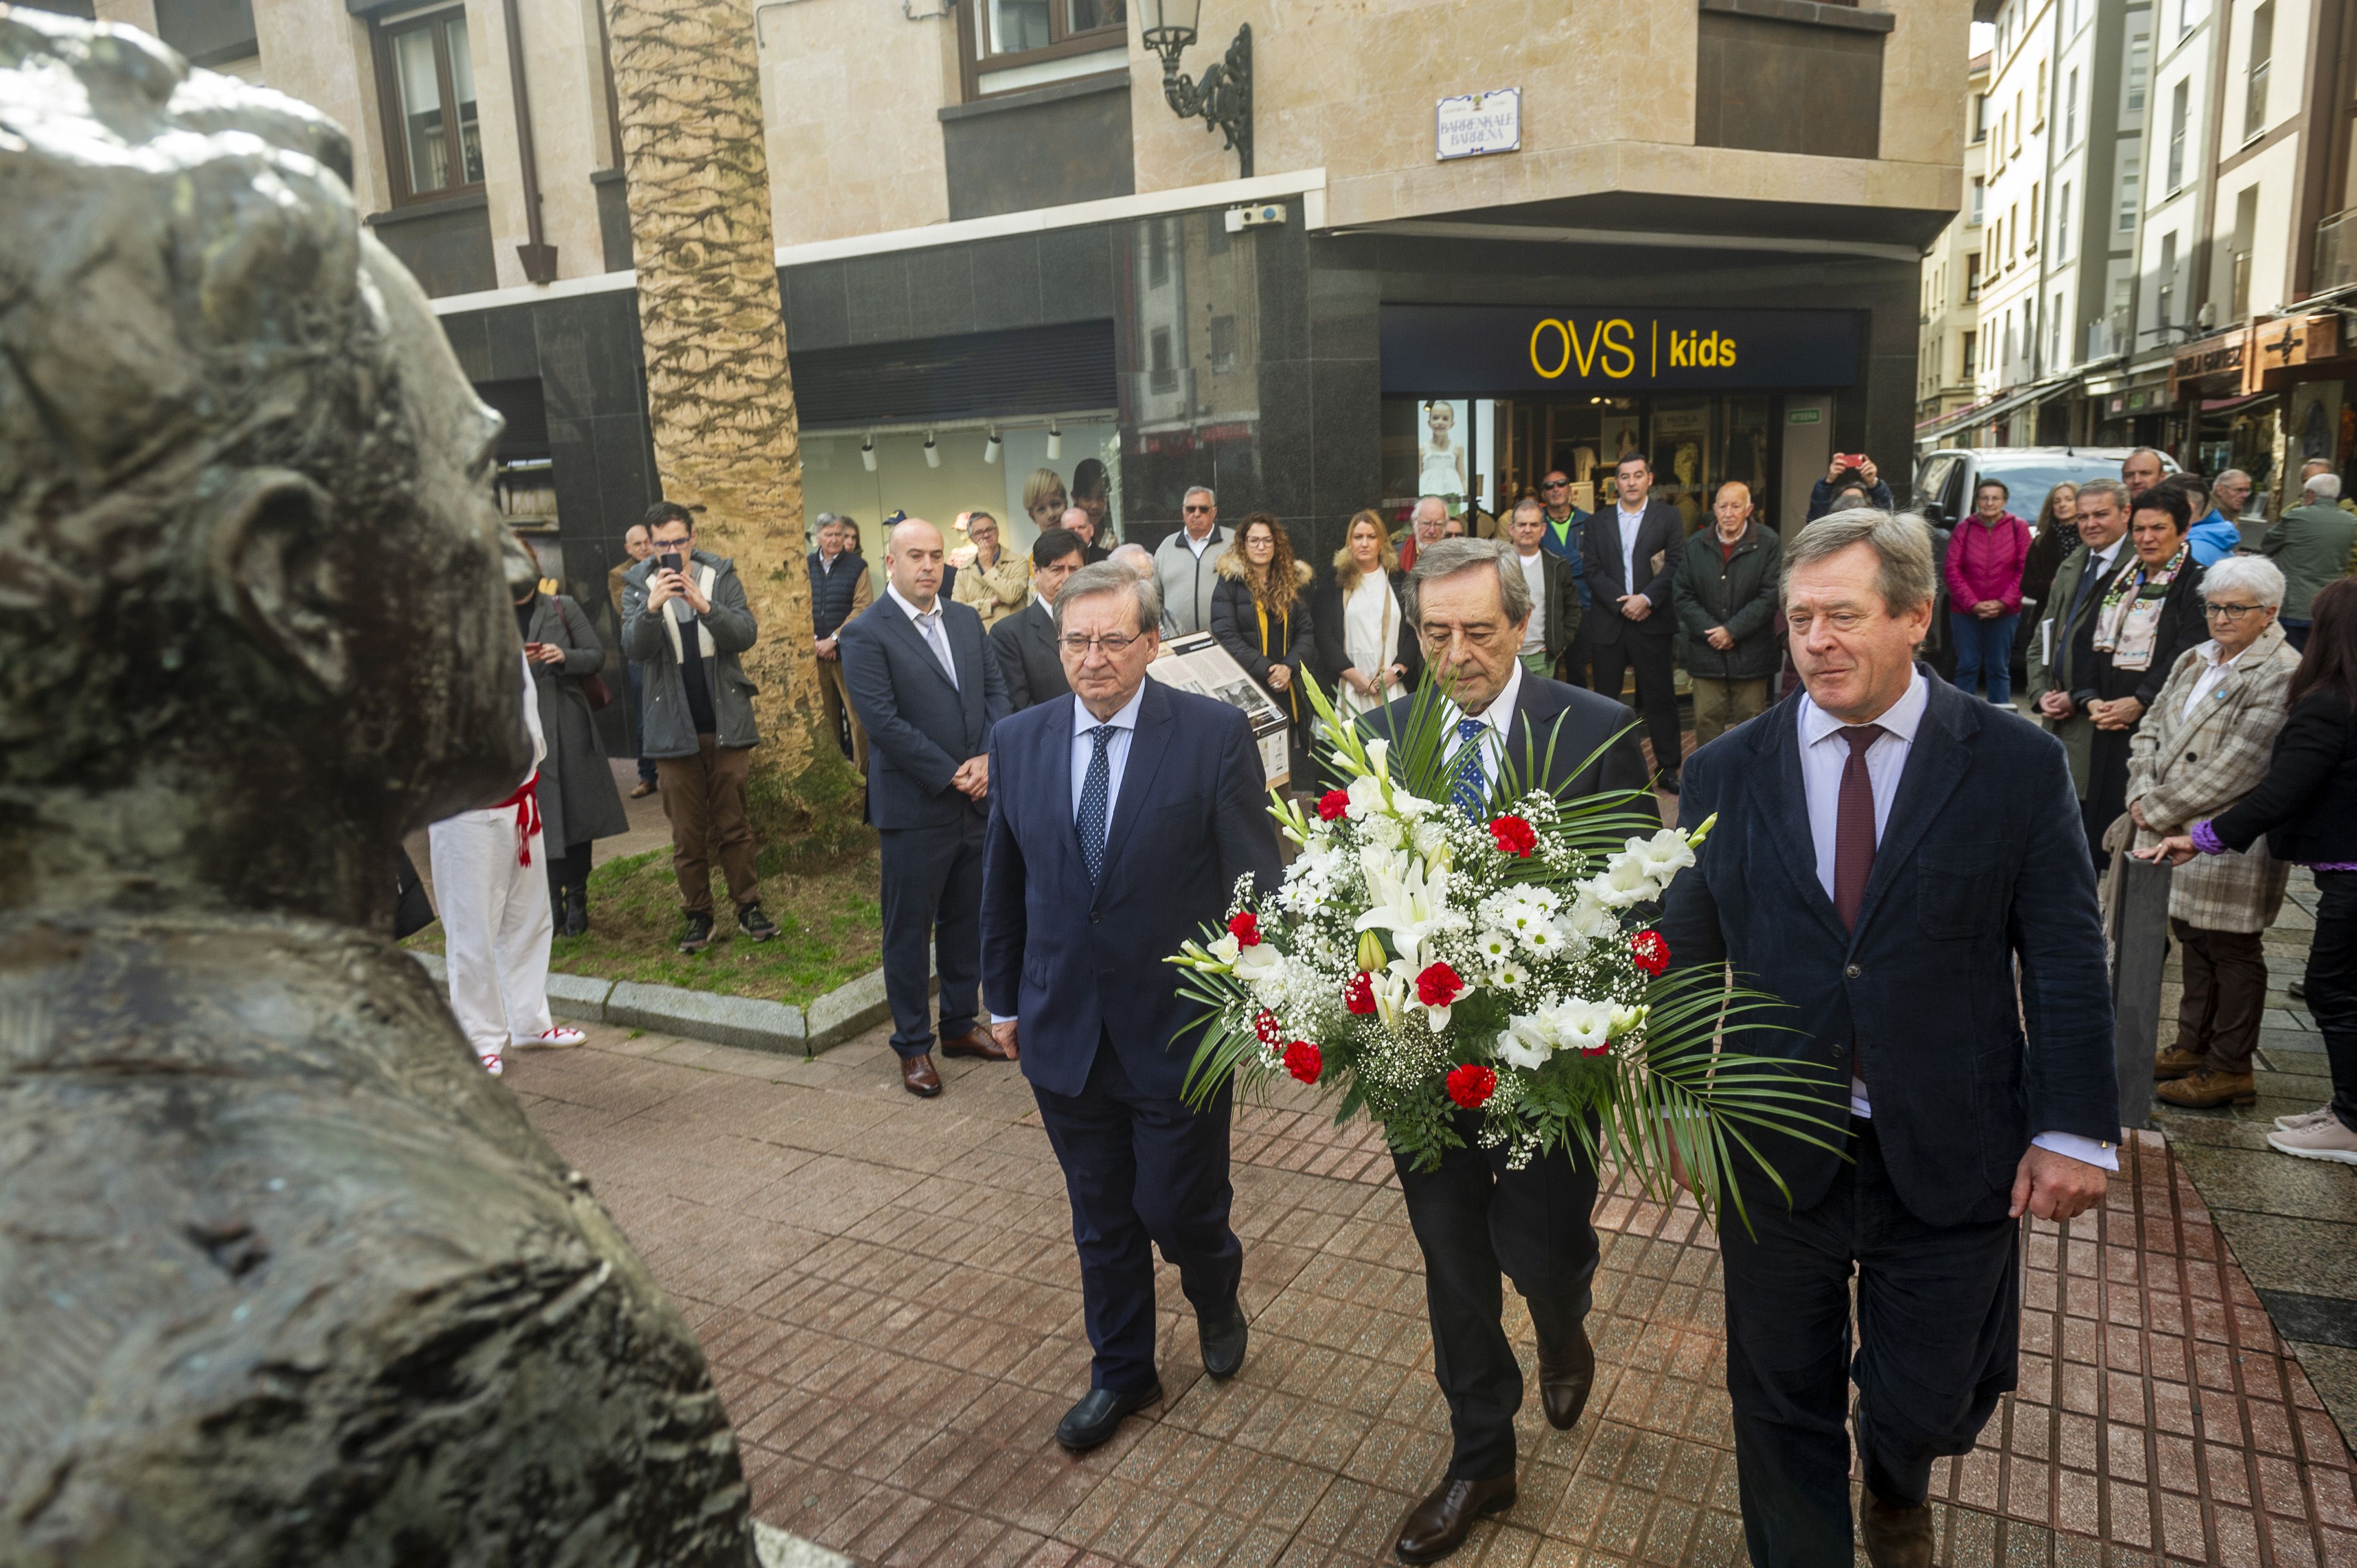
point(2324, 487)
point(2118, 491)
point(1447, 557)
point(2260, 577)
point(1134, 556)
point(1436, 501)
point(2226, 474)
point(1901, 542)
point(1532, 502)
point(1194, 490)
point(1111, 577)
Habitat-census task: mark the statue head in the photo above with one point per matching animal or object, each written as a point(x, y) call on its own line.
point(254, 621)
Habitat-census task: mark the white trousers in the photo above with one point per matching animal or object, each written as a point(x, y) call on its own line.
point(495, 926)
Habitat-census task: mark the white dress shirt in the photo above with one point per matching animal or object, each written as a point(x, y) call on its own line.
point(1630, 522)
point(1533, 567)
point(1200, 546)
point(928, 628)
point(2213, 675)
point(1823, 754)
point(1084, 751)
point(1497, 720)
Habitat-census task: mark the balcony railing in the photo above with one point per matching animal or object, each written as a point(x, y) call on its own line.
point(2104, 339)
point(2335, 251)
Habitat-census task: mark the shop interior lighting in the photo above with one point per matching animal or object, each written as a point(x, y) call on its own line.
point(932, 453)
point(868, 454)
point(990, 448)
point(1055, 442)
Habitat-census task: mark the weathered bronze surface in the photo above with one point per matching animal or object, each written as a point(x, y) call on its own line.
point(284, 1278)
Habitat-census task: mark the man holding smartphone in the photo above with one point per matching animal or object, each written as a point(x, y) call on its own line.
point(684, 621)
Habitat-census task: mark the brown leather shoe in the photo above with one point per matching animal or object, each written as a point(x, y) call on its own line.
point(641, 790)
point(1896, 1535)
point(1566, 1373)
point(974, 1043)
point(2205, 1089)
point(917, 1077)
point(2176, 1062)
point(1438, 1525)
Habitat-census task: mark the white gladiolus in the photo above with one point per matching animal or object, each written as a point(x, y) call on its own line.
point(1226, 949)
point(1366, 796)
point(1257, 961)
point(1663, 855)
point(1628, 1020)
point(1624, 883)
point(1582, 1025)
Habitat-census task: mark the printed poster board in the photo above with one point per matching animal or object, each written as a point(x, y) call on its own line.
point(1196, 663)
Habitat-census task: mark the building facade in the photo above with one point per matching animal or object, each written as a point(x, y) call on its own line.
point(1011, 271)
point(1948, 357)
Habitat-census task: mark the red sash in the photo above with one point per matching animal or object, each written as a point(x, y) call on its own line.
point(527, 801)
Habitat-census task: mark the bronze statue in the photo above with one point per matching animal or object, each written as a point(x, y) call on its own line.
point(283, 1277)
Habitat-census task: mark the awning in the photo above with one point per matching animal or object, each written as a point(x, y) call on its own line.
point(1980, 413)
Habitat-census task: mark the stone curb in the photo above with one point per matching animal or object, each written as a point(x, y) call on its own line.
point(744, 1021)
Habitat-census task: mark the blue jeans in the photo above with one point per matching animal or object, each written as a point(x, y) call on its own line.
point(1983, 648)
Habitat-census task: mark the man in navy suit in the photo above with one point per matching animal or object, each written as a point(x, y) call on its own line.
point(927, 691)
point(1477, 1218)
point(1121, 818)
point(1631, 552)
point(1887, 851)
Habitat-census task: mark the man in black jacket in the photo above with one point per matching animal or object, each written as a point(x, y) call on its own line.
point(1730, 638)
point(1632, 554)
point(1025, 642)
point(839, 590)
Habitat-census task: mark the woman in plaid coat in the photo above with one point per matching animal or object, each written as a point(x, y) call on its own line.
point(2203, 745)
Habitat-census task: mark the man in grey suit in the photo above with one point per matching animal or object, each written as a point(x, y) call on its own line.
point(927, 691)
point(1025, 642)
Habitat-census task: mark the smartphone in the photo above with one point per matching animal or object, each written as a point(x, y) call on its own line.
point(669, 561)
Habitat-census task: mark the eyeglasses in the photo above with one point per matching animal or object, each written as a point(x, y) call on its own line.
point(2231, 612)
point(1555, 483)
point(1113, 644)
point(1195, 508)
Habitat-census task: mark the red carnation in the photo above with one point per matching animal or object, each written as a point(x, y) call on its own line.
point(1471, 1085)
point(1514, 836)
point(1438, 986)
point(1332, 804)
point(1244, 926)
point(1304, 1061)
point(1265, 1027)
point(1651, 952)
point(1359, 994)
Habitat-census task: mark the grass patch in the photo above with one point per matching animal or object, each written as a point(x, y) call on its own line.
point(829, 919)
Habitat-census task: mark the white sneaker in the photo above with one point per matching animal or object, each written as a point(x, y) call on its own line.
point(2327, 1141)
point(2305, 1119)
point(491, 1060)
point(561, 1034)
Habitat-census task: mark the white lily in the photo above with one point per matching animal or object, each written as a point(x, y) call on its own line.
point(1624, 883)
point(1402, 899)
point(1582, 1025)
point(1528, 1041)
point(1256, 962)
point(1226, 951)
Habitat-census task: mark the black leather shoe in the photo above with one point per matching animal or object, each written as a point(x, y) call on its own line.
point(1566, 1373)
point(1896, 1535)
point(1222, 1340)
point(1438, 1525)
point(1092, 1421)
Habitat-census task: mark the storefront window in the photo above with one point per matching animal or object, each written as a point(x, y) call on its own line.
point(835, 478)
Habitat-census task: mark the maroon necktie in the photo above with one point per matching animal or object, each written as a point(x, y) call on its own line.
point(1854, 825)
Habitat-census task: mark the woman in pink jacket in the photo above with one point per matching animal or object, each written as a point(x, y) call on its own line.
point(1984, 570)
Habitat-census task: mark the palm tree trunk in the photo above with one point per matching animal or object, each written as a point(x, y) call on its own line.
point(719, 393)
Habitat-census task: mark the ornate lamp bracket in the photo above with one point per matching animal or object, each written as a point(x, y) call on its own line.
point(1222, 98)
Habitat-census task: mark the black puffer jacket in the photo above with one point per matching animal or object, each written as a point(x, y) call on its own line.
point(1739, 592)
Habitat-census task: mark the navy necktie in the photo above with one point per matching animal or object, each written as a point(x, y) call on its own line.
point(1472, 790)
point(1096, 792)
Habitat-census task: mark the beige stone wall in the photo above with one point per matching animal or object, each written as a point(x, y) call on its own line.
point(849, 91)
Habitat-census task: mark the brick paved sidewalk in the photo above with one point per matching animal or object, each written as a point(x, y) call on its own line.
point(888, 1291)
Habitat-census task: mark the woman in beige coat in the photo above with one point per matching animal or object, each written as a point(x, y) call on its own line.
point(2204, 745)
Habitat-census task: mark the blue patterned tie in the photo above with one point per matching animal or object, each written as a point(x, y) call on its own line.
point(1095, 792)
point(1472, 790)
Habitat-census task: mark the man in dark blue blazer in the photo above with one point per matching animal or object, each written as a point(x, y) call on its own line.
point(1887, 850)
point(1478, 1217)
point(1630, 553)
point(1121, 818)
point(927, 691)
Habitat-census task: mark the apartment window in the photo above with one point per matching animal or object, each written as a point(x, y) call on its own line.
point(2255, 80)
point(1966, 368)
point(2012, 234)
point(1980, 117)
point(1008, 44)
point(2042, 96)
point(2063, 224)
point(2071, 111)
point(2167, 292)
point(2247, 225)
point(2033, 218)
point(1980, 198)
point(1157, 254)
point(1223, 342)
point(2176, 98)
point(426, 77)
point(2190, 14)
point(1997, 149)
point(2128, 176)
point(2016, 122)
point(2054, 336)
point(1973, 276)
point(2140, 71)
point(1996, 245)
point(1164, 372)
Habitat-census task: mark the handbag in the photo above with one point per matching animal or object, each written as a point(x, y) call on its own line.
point(593, 686)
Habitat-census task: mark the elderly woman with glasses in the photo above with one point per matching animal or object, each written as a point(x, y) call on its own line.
point(2203, 745)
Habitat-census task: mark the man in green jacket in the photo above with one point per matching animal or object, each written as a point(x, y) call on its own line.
point(2074, 600)
point(2312, 543)
point(1728, 637)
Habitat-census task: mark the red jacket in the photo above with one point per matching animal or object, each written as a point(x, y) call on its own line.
point(1985, 562)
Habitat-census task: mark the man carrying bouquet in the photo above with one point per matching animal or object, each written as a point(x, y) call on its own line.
point(1121, 819)
point(1474, 1217)
point(1887, 851)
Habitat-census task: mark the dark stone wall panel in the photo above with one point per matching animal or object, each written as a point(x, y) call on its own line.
point(1039, 155)
point(1785, 87)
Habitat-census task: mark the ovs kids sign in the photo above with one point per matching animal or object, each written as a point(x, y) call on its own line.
point(1440, 349)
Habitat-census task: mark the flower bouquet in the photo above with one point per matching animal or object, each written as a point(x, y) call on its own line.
point(1437, 948)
